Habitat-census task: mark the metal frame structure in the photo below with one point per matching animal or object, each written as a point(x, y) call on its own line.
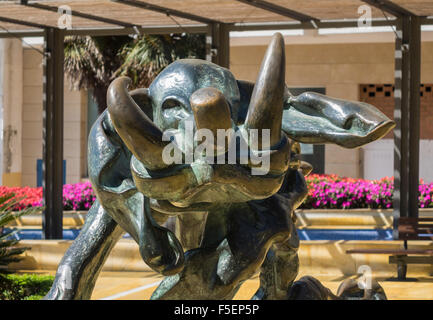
point(406, 147)
point(406, 110)
point(286, 12)
point(407, 84)
point(52, 148)
point(79, 14)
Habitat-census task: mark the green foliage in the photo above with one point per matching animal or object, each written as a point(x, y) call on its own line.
point(145, 58)
point(9, 252)
point(93, 62)
point(24, 286)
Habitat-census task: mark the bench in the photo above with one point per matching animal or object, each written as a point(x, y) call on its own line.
point(408, 229)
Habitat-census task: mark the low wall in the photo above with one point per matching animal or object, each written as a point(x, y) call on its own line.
point(316, 257)
point(312, 218)
point(71, 219)
point(46, 255)
point(349, 218)
point(330, 258)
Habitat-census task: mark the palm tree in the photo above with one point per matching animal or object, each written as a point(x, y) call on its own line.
point(93, 62)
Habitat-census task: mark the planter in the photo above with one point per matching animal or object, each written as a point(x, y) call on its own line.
point(306, 218)
point(349, 218)
point(71, 219)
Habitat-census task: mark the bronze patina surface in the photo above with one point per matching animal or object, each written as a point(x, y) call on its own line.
point(231, 222)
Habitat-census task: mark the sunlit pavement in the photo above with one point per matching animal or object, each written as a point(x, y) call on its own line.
point(140, 285)
point(133, 286)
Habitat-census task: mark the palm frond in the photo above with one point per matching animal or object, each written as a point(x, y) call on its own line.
point(9, 252)
point(93, 62)
point(144, 59)
point(4, 242)
point(5, 218)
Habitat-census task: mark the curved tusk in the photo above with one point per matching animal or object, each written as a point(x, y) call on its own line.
point(142, 137)
point(266, 105)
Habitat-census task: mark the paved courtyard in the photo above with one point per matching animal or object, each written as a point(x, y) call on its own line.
point(140, 285)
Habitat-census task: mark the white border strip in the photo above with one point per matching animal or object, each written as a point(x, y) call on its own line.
point(125, 293)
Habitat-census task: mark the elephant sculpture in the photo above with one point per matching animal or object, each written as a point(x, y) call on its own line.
point(243, 222)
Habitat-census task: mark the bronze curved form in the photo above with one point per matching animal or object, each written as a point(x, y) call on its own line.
point(246, 220)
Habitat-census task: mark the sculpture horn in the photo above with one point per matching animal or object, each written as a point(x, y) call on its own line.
point(266, 105)
point(142, 137)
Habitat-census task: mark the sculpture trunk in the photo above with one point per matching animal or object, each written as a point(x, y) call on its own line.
point(137, 131)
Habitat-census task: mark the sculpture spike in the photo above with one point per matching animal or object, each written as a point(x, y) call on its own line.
point(266, 105)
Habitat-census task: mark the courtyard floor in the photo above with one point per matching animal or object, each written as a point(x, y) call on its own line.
point(140, 285)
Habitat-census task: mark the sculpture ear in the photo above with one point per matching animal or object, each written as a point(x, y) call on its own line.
point(315, 118)
point(142, 99)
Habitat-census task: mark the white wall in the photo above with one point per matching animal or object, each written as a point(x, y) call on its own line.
point(74, 125)
point(12, 103)
point(379, 159)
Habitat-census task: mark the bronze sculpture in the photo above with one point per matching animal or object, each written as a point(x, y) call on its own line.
point(246, 219)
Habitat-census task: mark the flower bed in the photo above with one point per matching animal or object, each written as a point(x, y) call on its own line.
point(334, 192)
point(78, 196)
point(325, 192)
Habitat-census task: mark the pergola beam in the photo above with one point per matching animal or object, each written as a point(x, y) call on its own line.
point(21, 34)
point(283, 11)
point(390, 7)
point(306, 25)
point(24, 23)
point(197, 28)
point(167, 11)
point(142, 30)
point(79, 14)
point(117, 31)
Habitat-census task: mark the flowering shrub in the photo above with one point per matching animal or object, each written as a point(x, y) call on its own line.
point(78, 196)
point(332, 191)
point(30, 197)
point(325, 192)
